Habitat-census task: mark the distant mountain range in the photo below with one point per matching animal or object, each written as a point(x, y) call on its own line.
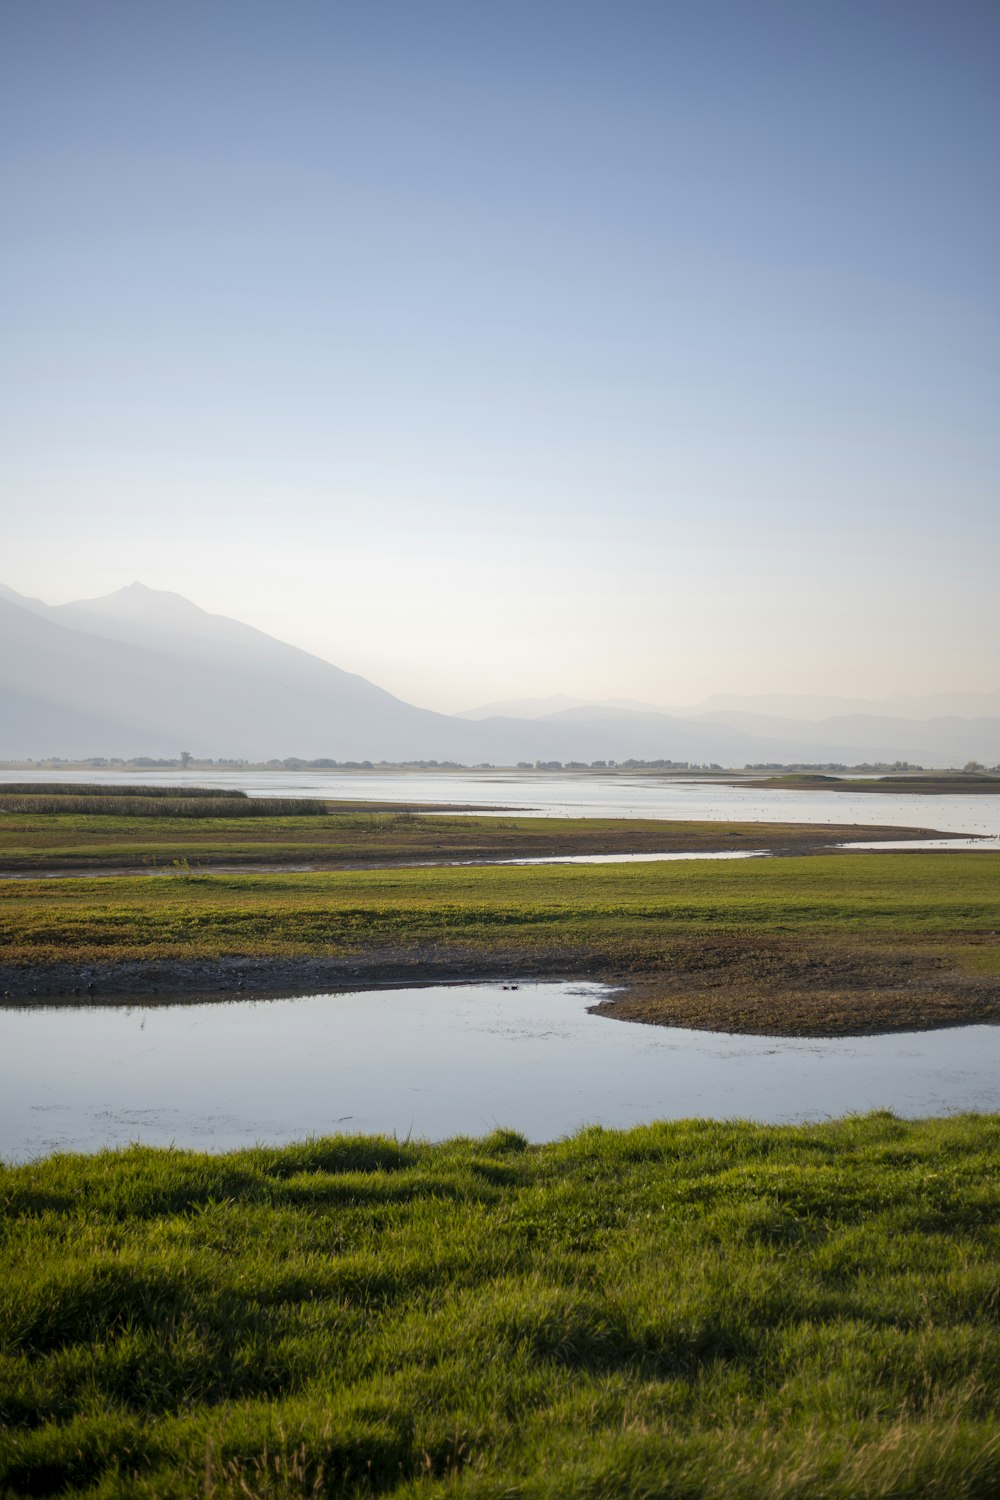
point(144, 672)
point(728, 707)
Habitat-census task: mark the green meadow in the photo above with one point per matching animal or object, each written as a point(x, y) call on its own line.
point(623, 913)
point(695, 1309)
point(140, 833)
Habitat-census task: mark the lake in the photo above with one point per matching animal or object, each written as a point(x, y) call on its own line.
point(438, 1061)
point(586, 796)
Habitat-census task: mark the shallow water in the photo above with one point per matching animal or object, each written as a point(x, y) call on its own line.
point(587, 796)
point(892, 845)
point(888, 845)
point(434, 1062)
point(628, 859)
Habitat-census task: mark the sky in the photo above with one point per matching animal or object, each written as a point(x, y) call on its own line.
point(628, 349)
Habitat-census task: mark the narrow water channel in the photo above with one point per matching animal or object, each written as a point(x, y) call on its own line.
point(434, 1062)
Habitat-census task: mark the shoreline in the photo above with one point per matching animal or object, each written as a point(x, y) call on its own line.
point(509, 847)
point(823, 991)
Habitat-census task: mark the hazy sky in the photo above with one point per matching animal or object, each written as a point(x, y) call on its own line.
point(634, 349)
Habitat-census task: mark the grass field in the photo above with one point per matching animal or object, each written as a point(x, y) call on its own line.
point(818, 944)
point(70, 841)
point(696, 1310)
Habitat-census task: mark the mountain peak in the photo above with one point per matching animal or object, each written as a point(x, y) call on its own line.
point(138, 601)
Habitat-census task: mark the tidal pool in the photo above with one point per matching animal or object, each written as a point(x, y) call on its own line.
point(437, 1061)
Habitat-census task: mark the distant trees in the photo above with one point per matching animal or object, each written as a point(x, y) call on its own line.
point(881, 766)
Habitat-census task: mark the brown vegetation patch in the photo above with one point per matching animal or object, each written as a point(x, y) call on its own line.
point(721, 983)
point(776, 988)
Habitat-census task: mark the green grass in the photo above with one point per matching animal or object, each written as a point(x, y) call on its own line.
point(619, 913)
point(61, 840)
point(693, 1309)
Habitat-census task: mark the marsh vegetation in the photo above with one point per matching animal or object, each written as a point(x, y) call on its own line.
point(55, 835)
point(148, 802)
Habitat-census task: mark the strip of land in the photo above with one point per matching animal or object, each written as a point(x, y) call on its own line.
point(939, 783)
point(382, 834)
point(691, 1309)
point(817, 946)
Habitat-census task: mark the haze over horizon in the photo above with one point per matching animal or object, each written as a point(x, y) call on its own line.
point(142, 671)
point(643, 352)
point(155, 617)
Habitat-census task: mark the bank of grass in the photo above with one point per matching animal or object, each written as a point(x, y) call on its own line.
point(694, 1309)
point(622, 912)
point(65, 841)
point(825, 945)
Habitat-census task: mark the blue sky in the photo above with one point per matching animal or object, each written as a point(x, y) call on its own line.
point(641, 349)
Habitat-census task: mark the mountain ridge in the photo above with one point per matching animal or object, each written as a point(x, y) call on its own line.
point(726, 707)
point(147, 671)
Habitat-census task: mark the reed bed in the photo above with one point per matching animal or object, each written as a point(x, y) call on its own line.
point(103, 789)
point(202, 806)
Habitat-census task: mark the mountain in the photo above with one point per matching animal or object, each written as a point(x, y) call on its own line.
point(522, 708)
point(558, 703)
point(849, 740)
point(939, 740)
point(930, 738)
point(740, 710)
point(724, 706)
point(146, 672)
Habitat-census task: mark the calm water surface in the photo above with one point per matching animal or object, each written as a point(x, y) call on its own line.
point(435, 1062)
point(568, 796)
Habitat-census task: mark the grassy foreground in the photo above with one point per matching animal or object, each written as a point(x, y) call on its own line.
point(693, 1309)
